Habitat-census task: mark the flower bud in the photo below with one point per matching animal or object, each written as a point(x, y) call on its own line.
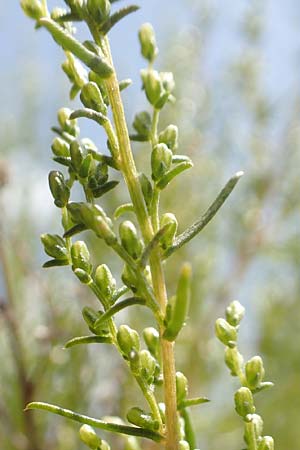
point(184, 445)
point(140, 418)
point(146, 188)
point(60, 147)
point(234, 361)
point(147, 40)
point(168, 82)
point(92, 98)
point(129, 238)
point(148, 365)
point(161, 160)
point(105, 281)
point(90, 316)
point(99, 9)
point(33, 9)
point(253, 422)
point(86, 166)
point(255, 372)
point(54, 246)
point(181, 387)
point(104, 446)
point(142, 124)
point(75, 72)
point(129, 278)
point(244, 402)
point(103, 230)
point(58, 188)
point(153, 85)
point(128, 339)
point(132, 444)
point(266, 443)
point(89, 437)
point(66, 124)
point(151, 338)
point(235, 313)
point(134, 361)
point(225, 332)
point(81, 257)
point(83, 276)
point(169, 136)
point(77, 155)
point(168, 237)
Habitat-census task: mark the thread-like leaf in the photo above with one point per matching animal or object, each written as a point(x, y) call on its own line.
point(55, 263)
point(89, 114)
point(116, 17)
point(198, 226)
point(193, 402)
point(153, 243)
point(106, 187)
point(75, 230)
point(113, 427)
point(81, 340)
point(123, 209)
point(179, 168)
point(118, 307)
point(68, 42)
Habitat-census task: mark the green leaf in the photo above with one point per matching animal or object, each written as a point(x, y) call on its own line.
point(118, 307)
point(116, 17)
point(123, 209)
point(193, 402)
point(89, 114)
point(55, 263)
point(88, 340)
point(106, 187)
point(115, 428)
point(168, 176)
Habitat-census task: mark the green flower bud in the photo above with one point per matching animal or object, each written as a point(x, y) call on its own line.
point(147, 40)
point(253, 422)
point(90, 316)
point(266, 443)
point(99, 9)
point(168, 82)
point(81, 257)
point(83, 276)
point(244, 402)
point(33, 9)
point(74, 71)
point(225, 332)
point(134, 361)
point(140, 418)
point(153, 85)
point(70, 126)
point(161, 160)
point(234, 361)
point(58, 188)
point(92, 98)
point(129, 278)
point(255, 372)
point(129, 239)
point(151, 338)
point(168, 237)
point(132, 444)
point(235, 313)
point(54, 246)
point(105, 281)
point(103, 230)
point(89, 437)
point(60, 147)
point(169, 136)
point(146, 189)
point(86, 166)
point(77, 155)
point(148, 365)
point(128, 339)
point(142, 124)
point(181, 387)
point(184, 445)
point(104, 446)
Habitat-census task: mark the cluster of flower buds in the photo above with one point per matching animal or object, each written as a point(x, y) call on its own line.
point(251, 375)
point(90, 438)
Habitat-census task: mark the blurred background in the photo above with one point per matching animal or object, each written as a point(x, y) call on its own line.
point(236, 65)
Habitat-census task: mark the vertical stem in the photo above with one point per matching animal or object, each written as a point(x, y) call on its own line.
point(131, 177)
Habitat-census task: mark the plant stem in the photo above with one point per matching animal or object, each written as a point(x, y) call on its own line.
point(129, 171)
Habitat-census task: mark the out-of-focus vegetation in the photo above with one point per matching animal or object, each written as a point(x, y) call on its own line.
point(250, 252)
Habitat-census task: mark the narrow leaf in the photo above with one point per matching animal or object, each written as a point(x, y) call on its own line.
point(55, 263)
point(119, 293)
point(125, 84)
point(68, 42)
point(88, 340)
point(198, 226)
point(106, 187)
point(179, 168)
point(193, 402)
point(115, 428)
point(123, 209)
point(189, 432)
point(153, 243)
point(181, 158)
point(116, 17)
point(118, 307)
point(89, 114)
point(75, 230)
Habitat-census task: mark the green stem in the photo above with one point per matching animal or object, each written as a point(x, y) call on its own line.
point(155, 119)
point(129, 171)
point(252, 445)
point(155, 209)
